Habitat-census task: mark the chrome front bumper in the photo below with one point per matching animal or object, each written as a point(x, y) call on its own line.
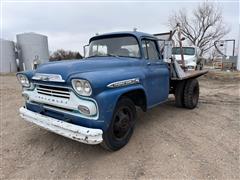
point(75, 132)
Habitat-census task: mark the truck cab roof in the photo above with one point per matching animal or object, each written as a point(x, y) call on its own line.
point(136, 34)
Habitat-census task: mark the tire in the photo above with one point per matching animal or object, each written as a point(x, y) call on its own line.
point(179, 94)
point(122, 125)
point(198, 67)
point(191, 93)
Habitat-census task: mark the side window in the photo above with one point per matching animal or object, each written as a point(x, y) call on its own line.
point(150, 50)
point(144, 47)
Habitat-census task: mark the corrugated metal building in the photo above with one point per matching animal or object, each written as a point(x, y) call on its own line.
point(7, 57)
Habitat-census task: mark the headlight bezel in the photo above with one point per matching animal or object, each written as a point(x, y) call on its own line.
point(84, 87)
point(23, 80)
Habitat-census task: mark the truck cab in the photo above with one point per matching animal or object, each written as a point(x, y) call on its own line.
point(190, 54)
point(94, 100)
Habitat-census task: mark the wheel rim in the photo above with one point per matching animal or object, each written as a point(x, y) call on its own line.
point(122, 123)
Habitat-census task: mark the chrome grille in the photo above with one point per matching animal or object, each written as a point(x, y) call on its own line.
point(53, 91)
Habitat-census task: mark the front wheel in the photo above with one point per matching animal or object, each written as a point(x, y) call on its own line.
point(122, 125)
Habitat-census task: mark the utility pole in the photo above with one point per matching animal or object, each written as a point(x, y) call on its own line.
point(238, 58)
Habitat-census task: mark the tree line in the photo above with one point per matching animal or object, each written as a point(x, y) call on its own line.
point(62, 54)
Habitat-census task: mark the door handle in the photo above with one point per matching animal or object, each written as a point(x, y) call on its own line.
point(148, 63)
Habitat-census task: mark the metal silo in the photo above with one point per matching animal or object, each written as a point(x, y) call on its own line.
point(7, 57)
point(32, 48)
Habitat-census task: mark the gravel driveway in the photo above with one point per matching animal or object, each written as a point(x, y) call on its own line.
point(168, 142)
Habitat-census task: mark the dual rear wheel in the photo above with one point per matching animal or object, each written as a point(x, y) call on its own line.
point(187, 93)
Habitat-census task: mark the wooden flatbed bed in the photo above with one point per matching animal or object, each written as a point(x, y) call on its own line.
point(190, 74)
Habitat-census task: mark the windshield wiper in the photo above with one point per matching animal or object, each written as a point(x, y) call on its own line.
point(93, 56)
point(129, 56)
point(112, 55)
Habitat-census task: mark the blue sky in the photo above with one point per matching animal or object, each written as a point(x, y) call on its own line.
point(69, 25)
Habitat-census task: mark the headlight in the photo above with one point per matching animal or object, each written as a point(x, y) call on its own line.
point(82, 87)
point(23, 80)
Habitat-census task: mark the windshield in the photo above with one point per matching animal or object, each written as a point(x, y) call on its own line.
point(124, 46)
point(186, 51)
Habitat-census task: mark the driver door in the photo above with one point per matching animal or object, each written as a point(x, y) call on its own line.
point(157, 74)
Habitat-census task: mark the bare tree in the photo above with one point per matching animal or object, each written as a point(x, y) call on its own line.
point(202, 27)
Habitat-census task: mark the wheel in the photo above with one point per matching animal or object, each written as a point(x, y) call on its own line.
point(122, 125)
point(179, 94)
point(191, 93)
point(198, 67)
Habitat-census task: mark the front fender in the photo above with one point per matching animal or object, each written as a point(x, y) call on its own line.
point(108, 99)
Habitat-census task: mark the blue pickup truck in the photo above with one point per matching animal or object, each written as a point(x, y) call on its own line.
point(94, 100)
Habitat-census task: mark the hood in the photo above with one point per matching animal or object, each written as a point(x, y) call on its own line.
point(186, 57)
point(71, 67)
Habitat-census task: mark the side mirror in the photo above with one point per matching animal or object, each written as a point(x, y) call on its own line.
point(183, 38)
point(85, 50)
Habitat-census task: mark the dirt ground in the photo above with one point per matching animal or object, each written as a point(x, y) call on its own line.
point(169, 142)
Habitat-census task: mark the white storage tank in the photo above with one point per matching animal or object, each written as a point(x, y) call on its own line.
point(32, 49)
point(7, 57)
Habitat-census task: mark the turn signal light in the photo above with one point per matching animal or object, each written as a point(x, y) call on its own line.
point(84, 110)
